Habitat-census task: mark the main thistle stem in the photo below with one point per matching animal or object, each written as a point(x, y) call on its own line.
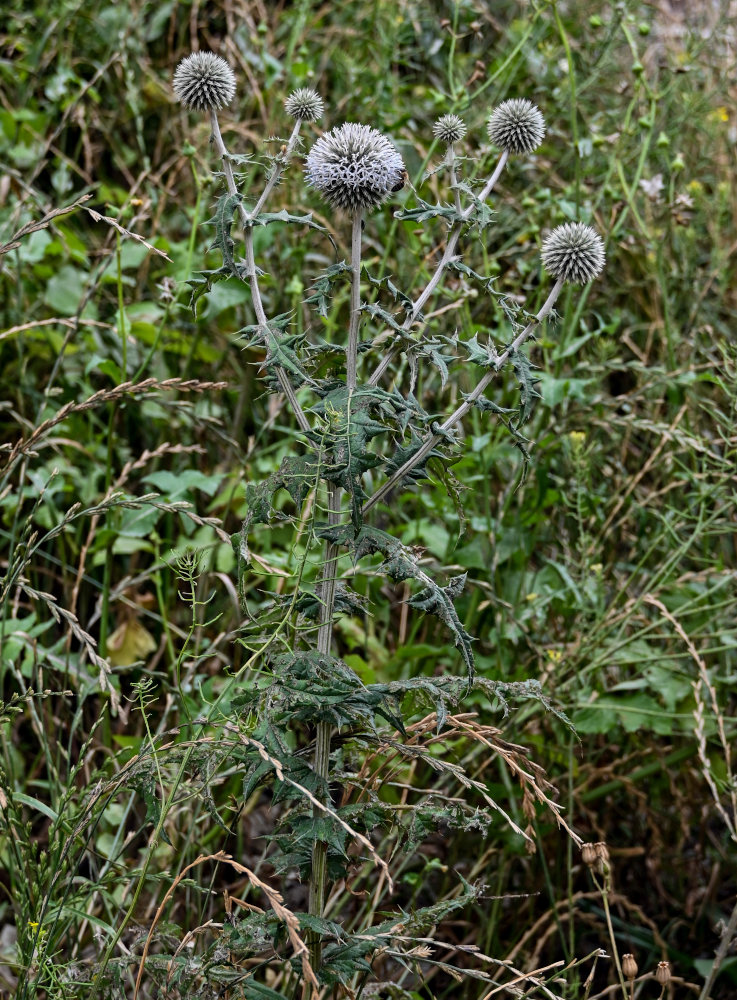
point(351, 365)
point(318, 877)
point(464, 408)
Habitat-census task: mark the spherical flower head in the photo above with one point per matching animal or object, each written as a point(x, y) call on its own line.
point(304, 104)
point(204, 82)
point(516, 126)
point(574, 252)
point(449, 129)
point(354, 167)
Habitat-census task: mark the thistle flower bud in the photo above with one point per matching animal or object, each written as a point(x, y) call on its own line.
point(629, 966)
point(449, 129)
point(662, 973)
point(305, 105)
point(354, 167)
point(204, 82)
point(517, 126)
point(573, 252)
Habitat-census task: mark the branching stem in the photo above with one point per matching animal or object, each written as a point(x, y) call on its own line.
point(464, 408)
point(258, 305)
point(448, 255)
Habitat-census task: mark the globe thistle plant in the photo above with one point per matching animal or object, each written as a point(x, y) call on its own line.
point(305, 105)
point(354, 167)
point(204, 82)
point(449, 129)
point(573, 252)
point(516, 126)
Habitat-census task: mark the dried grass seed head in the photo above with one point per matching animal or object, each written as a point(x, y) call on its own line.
point(204, 82)
point(305, 105)
point(574, 252)
point(449, 129)
point(517, 126)
point(354, 167)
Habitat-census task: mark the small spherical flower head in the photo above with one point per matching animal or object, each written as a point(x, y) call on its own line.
point(573, 252)
point(305, 105)
point(516, 126)
point(449, 129)
point(354, 167)
point(204, 82)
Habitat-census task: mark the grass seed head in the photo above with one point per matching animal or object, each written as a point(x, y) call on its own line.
point(204, 82)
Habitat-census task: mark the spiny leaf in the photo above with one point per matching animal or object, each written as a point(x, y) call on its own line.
point(523, 369)
point(427, 211)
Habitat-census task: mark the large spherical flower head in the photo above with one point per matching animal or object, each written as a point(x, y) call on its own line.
point(305, 105)
point(204, 82)
point(449, 129)
point(354, 167)
point(574, 252)
point(517, 126)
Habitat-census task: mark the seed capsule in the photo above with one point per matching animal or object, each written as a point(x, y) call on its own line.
point(662, 973)
point(629, 966)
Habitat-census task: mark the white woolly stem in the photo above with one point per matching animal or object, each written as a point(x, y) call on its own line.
point(278, 169)
point(355, 320)
point(258, 305)
point(448, 256)
point(466, 405)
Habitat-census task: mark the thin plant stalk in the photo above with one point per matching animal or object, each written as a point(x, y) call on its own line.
point(458, 414)
point(258, 306)
point(448, 256)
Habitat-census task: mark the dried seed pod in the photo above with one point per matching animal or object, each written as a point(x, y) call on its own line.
point(629, 966)
point(588, 855)
point(662, 973)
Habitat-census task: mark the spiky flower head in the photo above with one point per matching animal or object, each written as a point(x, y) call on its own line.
point(354, 167)
point(304, 104)
point(516, 125)
point(449, 129)
point(573, 252)
point(204, 82)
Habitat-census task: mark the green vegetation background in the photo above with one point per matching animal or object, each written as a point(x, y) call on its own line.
point(608, 575)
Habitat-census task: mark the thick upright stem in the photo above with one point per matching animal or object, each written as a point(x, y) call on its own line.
point(352, 352)
point(464, 408)
point(328, 578)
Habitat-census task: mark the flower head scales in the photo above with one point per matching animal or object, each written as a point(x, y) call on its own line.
point(574, 252)
point(204, 82)
point(305, 105)
point(517, 126)
point(449, 129)
point(354, 167)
